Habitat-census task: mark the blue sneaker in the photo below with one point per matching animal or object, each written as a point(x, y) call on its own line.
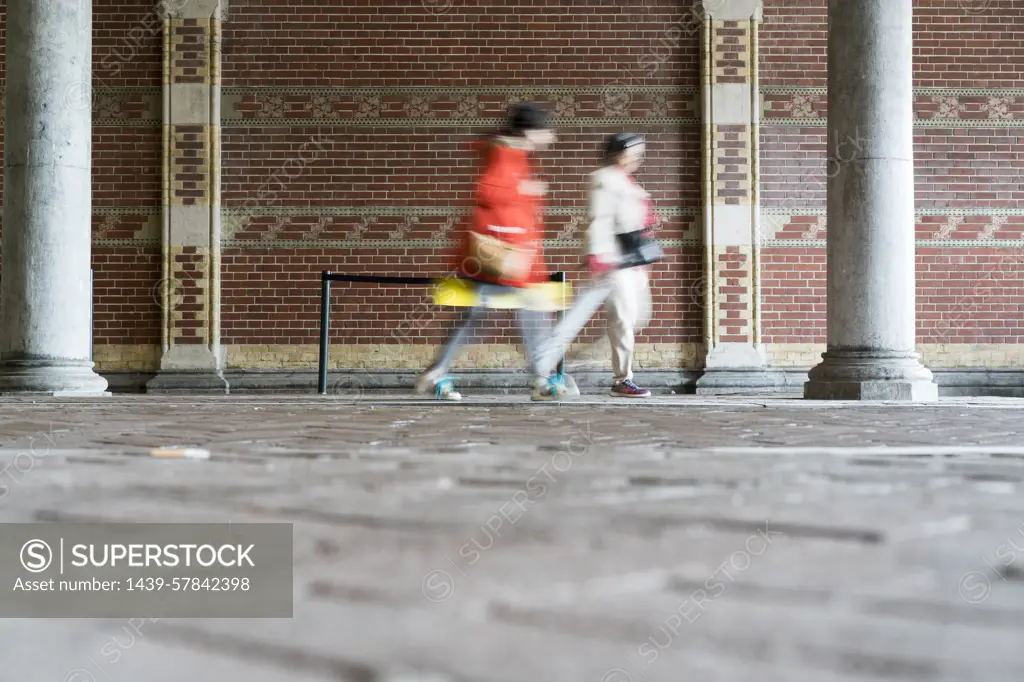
point(445, 390)
point(551, 388)
point(571, 389)
point(443, 387)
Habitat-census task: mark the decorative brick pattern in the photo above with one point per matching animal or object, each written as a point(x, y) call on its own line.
point(191, 161)
point(731, 52)
point(731, 246)
point(802, 227)
point(732, 298)
point(126, 106)
point(933, 107)
point(376, 226)
point(934, 228)
point(604, 106)
point(191, 46)
point(188, 291)
point(732, 172)
point(124, 226)
point(982, 228)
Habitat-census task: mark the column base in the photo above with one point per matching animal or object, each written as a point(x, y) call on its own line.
point(740, 382)
point(191, 368)
point(871, 375)
point(737, 369)
point(60, 379)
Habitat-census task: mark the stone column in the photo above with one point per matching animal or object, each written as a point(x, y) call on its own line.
point(735, 360)
point(193, 357)
point(45, 292)
point(871, 307)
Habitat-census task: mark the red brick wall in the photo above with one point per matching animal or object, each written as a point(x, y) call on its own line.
point(400, 162)
point(487, 46)
point(127, 53)
point(270, 300)
point(453, 43)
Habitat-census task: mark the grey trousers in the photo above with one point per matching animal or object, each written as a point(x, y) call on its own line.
point(534, 326)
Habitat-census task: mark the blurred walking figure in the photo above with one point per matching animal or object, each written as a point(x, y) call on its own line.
point(619, 246)
point(501, 251)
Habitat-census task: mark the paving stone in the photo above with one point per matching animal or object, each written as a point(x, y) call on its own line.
point(494, 651)
point(802, 636)
point(500, 540)
point(129, 650)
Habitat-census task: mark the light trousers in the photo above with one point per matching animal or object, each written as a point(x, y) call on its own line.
point(629, 307)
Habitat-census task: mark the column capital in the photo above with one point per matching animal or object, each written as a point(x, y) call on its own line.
point(198, 9)
point(732, 10)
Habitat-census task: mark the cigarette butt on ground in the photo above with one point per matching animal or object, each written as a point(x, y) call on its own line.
point(181, 453)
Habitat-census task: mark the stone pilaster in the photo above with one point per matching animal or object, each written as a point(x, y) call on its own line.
point(193, 357)
point(871, 280)
point(45, 325)
point(735, 360)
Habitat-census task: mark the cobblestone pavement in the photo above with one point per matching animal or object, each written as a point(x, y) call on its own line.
point(499, 540)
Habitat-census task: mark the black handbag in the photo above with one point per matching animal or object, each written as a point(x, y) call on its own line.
point(638, 248)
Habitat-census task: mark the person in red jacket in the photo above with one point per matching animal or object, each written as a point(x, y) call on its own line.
point(501, 250)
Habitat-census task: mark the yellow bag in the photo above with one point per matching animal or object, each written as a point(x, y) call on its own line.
point(494, 258)
point(461, 293)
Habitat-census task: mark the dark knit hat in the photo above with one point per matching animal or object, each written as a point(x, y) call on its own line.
point(526, 116)
point(618, 143)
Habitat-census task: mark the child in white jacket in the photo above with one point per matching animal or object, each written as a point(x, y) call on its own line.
point(619, 213)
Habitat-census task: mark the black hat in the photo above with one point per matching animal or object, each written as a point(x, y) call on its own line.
point(526, 116)
point(620, 142)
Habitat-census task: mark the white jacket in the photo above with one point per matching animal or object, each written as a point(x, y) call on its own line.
point(617, 205)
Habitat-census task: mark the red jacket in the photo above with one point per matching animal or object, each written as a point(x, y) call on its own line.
point(499, 204)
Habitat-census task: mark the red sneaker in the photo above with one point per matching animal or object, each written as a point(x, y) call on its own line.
point(627, 389)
